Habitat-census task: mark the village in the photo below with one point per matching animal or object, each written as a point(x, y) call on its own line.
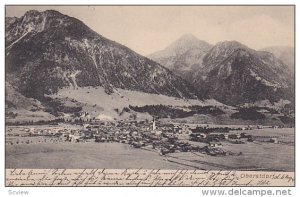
point(163, 138)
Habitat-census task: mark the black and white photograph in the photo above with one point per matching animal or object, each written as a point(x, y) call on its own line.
point(197, 87)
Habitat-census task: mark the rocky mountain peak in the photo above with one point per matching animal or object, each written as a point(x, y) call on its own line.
point(46, 51)
point(234, 73)
point(183, 55)
point(180, 46)
point(185, 40)
point(222, 50)
point(185, 43)
point(227, 47)
point(34, 14)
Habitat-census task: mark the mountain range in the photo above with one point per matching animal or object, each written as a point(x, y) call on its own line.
point(230, 72)
point(47, 51)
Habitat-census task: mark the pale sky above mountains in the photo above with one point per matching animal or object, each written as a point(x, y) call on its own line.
point(147, 29)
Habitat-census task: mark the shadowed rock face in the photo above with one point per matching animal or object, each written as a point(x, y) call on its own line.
point(47, 50)
point(230, 72)
point(233, 74)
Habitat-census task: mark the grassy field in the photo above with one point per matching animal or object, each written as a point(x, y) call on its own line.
point(265, 156)
point(84, 155)
point(46, 152)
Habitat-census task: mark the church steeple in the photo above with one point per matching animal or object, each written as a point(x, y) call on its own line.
point(153, 124)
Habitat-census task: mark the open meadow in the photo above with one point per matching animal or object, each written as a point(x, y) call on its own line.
point(50, 152)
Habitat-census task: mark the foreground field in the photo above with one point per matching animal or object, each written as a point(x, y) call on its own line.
point(115, 155)
point(263, 157)
point(87, 155)
point(50, 152)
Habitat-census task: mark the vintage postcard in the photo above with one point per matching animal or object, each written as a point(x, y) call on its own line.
point(149, 95)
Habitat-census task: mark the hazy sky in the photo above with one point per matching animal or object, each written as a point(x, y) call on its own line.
point(147, 29)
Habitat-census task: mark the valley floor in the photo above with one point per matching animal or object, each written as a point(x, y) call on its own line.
point(48, 153)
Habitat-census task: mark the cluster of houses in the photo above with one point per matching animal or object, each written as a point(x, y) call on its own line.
point(215, 136)
point(161, 137)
